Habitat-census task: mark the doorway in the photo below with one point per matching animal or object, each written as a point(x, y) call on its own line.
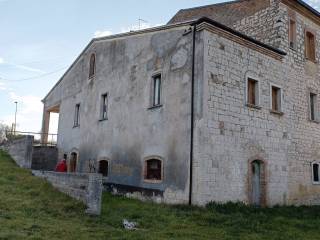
point(257, 188)
point(73, 162)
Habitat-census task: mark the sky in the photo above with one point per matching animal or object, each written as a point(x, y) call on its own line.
point(39, 40)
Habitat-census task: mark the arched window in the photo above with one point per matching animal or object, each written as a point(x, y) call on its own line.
point(315, 173)
point(104, 167)
point(92, 67)
point(153, 170)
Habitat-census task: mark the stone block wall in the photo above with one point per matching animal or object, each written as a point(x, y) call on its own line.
point(44, 158)
point(20, 150)
point(83, 187)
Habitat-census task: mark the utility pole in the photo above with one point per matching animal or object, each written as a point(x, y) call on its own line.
point(15, 118)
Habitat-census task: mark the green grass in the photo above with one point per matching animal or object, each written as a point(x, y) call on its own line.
point(31, 209)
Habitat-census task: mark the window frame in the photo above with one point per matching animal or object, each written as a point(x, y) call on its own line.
point(102, 98)
point(292, 35)
point(307, 45)
point(94, 57)
point(257, 92)
point(315, 109)
point(312, 172)
point(280, 110)
point(145, 168)
point(153, 91)
point(76, 119)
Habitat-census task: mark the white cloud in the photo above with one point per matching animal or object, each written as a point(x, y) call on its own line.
point(29, 114)
point(3, 86)
point(314, 3)
point(137, 27)
point(143, 25)
point(26, 68)
point(1, 60)
point(104, 33)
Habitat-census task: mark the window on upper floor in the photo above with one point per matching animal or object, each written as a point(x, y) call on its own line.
point(76, 122)
point(156, 93)
point(153, 170)
point(313, 106)
point(310, 46)
point(315, 173)
point(292, 33)
point(92, 65)
point(252, 92)
point(276, 98)
point(104, 107)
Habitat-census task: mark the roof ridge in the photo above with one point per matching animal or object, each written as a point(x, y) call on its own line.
point(212, 5)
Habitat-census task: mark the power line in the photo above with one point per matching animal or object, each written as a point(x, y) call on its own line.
point(35, 77)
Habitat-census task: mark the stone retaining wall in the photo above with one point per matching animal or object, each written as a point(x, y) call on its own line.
point(84, 187)
point(20, 150)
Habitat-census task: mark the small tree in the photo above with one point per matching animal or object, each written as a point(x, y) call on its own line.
point(3, 129)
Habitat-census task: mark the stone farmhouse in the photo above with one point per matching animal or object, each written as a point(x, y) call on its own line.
point(221, 104)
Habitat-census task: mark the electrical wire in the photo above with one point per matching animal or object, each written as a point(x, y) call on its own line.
point(32, 78)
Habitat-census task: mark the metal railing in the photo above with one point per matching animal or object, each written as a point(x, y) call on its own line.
point(40, 139)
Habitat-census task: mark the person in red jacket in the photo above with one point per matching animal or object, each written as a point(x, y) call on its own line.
point(62, 165)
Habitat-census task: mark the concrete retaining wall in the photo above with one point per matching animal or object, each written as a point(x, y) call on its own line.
point(84, 187)
point(44, 158)
point(20, 150)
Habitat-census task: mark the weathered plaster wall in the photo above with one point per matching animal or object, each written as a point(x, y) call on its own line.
point(124, 69)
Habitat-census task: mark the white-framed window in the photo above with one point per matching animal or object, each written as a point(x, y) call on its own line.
point(313, 106)
point(104, 107)
point(156, 90)
point(276, 98)
point(252, 92)
point(315, 168)
point(76, 121)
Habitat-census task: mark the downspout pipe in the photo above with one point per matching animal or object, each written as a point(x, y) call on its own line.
point(192, 112)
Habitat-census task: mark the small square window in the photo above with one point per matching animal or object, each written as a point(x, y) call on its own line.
point(76, 122)
point(104, 107)
point(276, 99)
point(153, 170)
point(252, 92)
point(313, 107)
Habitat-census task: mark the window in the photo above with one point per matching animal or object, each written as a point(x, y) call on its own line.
point(156, 96)
point(92, 65)
point(153, 170)
point(310, 46)
point(313, 106)
point(276, 99)
point(252, 92)
point(104, 106)
point(315, 173)
point(76, 122)
point(292, 33)
point(104, 167)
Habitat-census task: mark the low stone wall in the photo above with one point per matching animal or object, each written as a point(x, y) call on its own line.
point(20, 150)
point(44, 158)
point(84, 187)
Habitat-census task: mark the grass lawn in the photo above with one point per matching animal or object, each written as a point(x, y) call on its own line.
point(31, 209)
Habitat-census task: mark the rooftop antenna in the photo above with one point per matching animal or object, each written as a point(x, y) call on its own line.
point(141, 21)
